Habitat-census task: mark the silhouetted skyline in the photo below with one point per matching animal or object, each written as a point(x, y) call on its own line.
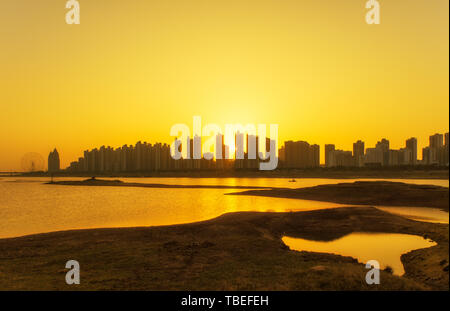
point(146, 157)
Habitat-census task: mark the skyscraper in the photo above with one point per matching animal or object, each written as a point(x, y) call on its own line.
point(53, 161)
point(411, 144)
point(383, 147)
point(436, 140)
point(328, 152)
point(358, 153)
point(436, 150)
point(446, 148)
point(315, 151)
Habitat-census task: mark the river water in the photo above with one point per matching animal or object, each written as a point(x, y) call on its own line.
point(29, 206)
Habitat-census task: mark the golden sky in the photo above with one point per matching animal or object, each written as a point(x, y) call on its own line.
point(133, 68)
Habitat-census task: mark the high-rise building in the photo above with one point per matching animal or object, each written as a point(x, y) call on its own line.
point(358, 153)
point(289, 154)
point(436, 140)
point(394, 157)
point(328, 153)
point(53, 161)
point(341, 158)
point(411, 144)
point(338, 158)
point(315, 151)
point(299, 154)
point(426, 157)
point(304, 152)
point(405, 157)
point(383, 146)
point(282, 154)
point(446, 148)
point(373, 157)
point(436, 152)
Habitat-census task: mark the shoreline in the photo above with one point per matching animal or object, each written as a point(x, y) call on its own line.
point(93, 182)
point(326, 173)
point(377, 193)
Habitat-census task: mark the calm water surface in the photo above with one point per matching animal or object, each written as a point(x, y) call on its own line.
point(386, 248)
point(28, 206)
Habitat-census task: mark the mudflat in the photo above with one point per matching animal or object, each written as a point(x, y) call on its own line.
point(118, 183)
point(366, 193)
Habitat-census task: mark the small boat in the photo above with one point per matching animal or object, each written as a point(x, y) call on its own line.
point(292, 180)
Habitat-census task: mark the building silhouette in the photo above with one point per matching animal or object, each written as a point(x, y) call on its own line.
point(146, 157)
point(329, 149)
point(411, 144)
point(338, 158)
point(53, 161)
point(300, 154)
point(358, 153)
point(437, 152)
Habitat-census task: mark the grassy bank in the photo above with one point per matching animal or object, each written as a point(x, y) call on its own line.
point(237, 251)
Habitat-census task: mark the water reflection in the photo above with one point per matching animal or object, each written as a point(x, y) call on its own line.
point(386, 248)
point(28, 206)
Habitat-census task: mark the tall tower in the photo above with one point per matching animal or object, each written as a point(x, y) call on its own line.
point(436, 141)
point(436, 149)
point(53, 161)
point(411, 144)
point(329, 149)
point(358, 153)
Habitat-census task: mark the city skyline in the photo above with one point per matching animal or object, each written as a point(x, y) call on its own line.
point(66, 160)
point(145, 156)
point(360, 149)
